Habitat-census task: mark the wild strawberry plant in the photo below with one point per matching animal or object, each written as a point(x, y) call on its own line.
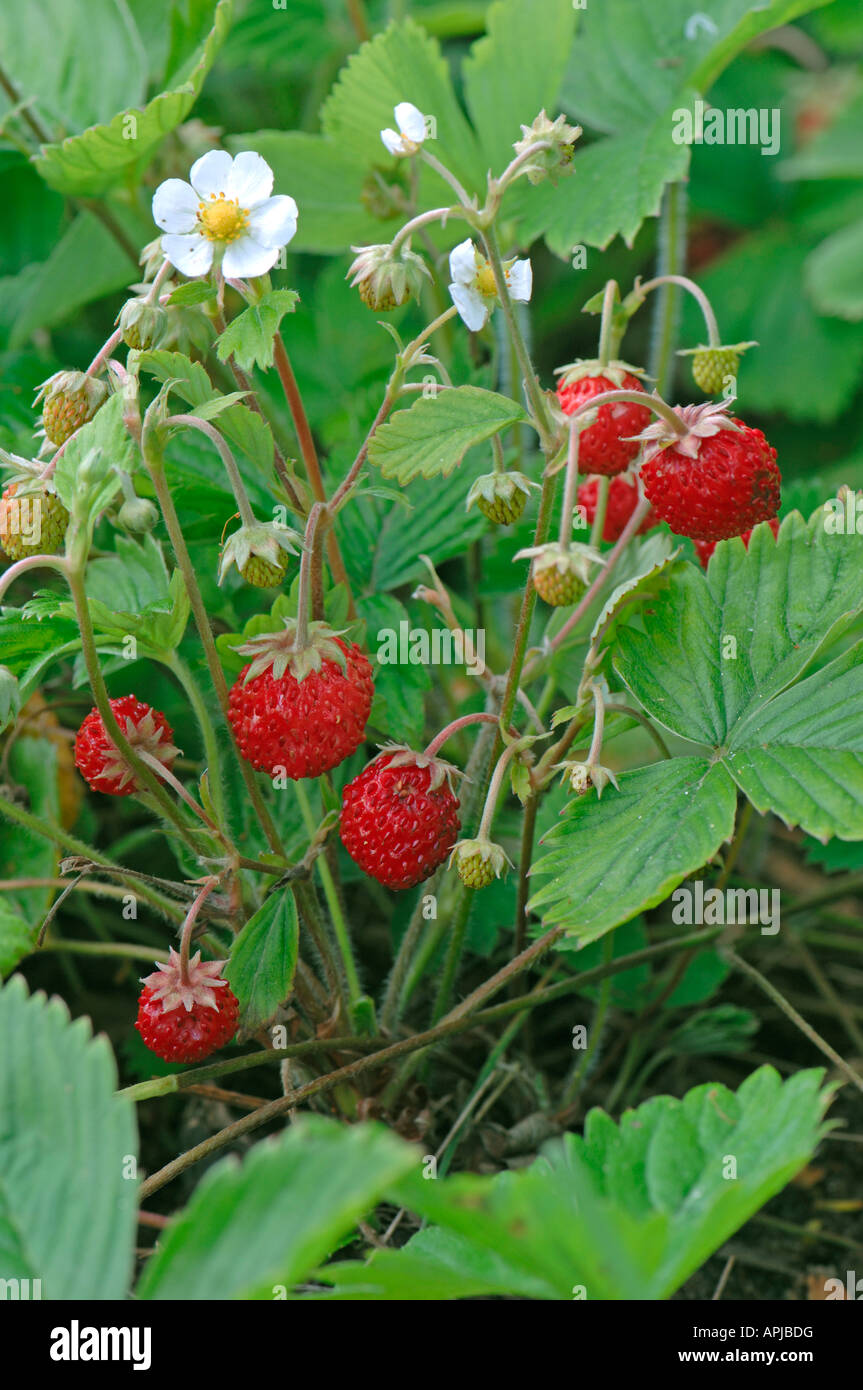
point(420, 685)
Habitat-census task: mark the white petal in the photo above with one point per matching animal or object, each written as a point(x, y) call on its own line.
point(462, 263)
point(393, 141)
point(411, 122)
point(473, 309)
point(250, 180)
point(246, 257)
point(193, 255)
point(519, 278)
point(211, 172)
point(175, 206)
point(274, 222)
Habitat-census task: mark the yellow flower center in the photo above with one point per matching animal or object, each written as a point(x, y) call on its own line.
point(485, 280)
point(222, 219)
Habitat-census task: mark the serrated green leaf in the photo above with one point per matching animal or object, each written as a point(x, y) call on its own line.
point(252, 1228)
point(249, 338)
point(516, 71)
point(328, 184)
point(263, 959)
point(722, 658)
point(67, 1149)
point(99, 158)
point(194, 291)
point(431, 438)
point(402, 64)
point(242, 426)
point(612, 858)
point(616, 184)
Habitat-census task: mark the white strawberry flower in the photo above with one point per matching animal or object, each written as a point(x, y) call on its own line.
point(227, 207)
point(411, 130)
point(473, 288)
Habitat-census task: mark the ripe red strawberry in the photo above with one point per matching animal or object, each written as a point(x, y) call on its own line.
point(400, 817)
point(184, 1020)
point(303, 711)
point(706, 548)
point(622, 502)
point(99, 762)
point(605, 446)
point(717, 480)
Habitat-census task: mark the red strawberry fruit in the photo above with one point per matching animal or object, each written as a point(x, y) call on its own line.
point(705, 549)
point(400, 817)
point(605, 446)
point(300, 710)
point(100, 763)
point(622, 502)
point(716, 480)
point(184, 1019)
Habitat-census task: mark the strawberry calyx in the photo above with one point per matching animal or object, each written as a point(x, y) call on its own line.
point(575, 559)
point(614, 372)
point(197, 989)
point(400, 755)
point(146, 736)
point(278, 652)
point(699, 422)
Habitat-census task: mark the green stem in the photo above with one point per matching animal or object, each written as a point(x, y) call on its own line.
point(56, 835)
point(237, 487)
point(535, 396)
point(671, 261)
point(343, 938)
point(573, 1086)
point(177, 666)
point(155, 465)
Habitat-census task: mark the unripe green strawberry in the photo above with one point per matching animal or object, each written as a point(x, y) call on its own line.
point(711, 366)
point(475, 872)
point(561, 574)
point(261, 573)
point(31, 522)
point(714, 367)
point(69, 400)
point(558, 589)
point(379, 300)
point(504, 513)
point(500, 496)
point(478, 862)
point(142, 325)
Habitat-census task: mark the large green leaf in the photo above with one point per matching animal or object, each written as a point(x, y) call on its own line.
point(629, 62)
point(67, 1151)
point(516, 71)
point(47, 57)
point(327, 183)
point(100, 157)
point(432, 437)
point(85, 264)
point(401, 64)
point(629, 71)
point(252, 1228)
point(612, 858)
point(264, 958)
point(628, 1211)
point(720, 661)
point(617, 183)
point(32, 773)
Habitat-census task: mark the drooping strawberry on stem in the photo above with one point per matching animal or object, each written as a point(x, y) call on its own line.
point(102, 765)
point(187, 1010)
point(400, 816)
point(712, 476)
point(301, 704)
